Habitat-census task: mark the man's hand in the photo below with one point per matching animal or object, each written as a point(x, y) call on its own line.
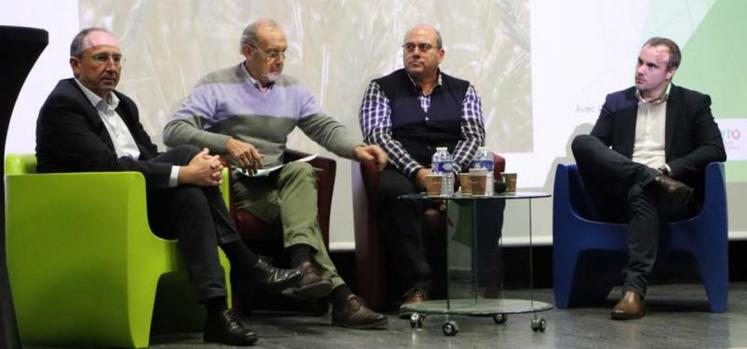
point(420, 176)
point(371, 153)
point(245, 154)
point(204, 170)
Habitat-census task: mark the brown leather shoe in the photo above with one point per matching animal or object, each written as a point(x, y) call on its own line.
point(413, 296)
point(679, 193)
point(311, 284)
point(631, 306)
point(354, 314)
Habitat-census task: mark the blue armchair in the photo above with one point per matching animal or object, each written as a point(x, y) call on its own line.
point(584, 249)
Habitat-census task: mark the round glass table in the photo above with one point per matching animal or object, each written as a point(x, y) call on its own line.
point(467, 294)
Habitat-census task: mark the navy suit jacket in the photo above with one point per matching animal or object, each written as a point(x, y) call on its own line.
point(71, 137)
point(692, 137)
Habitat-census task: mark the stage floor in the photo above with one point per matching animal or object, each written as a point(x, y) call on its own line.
point(677, 317)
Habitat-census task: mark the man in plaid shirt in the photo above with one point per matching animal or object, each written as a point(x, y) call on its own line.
point(409, 113)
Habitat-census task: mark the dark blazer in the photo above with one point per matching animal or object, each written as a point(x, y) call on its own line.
point(70, 137)
point(692, 137)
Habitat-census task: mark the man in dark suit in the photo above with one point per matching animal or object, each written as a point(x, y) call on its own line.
point(85, 125)
point(645, 160)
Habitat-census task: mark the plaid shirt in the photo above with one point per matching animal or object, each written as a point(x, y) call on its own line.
point(376, 125)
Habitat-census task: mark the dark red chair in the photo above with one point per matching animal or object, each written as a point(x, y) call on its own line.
point(267, 240)
point(369, 254)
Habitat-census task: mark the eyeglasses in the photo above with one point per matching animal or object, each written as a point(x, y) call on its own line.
point(410, 47)
point(270, 54)
point(104, 58)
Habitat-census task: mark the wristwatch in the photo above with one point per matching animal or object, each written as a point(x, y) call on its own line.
point(664, 169)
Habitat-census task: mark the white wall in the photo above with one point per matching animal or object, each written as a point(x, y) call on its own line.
point(60, 19)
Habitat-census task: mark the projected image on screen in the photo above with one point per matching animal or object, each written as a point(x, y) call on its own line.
point(496, 56)
point(542, 68)
point(335, 47)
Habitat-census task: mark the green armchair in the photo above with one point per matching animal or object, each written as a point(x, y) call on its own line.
point(83, 263)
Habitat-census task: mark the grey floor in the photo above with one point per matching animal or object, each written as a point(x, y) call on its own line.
point(677, 318)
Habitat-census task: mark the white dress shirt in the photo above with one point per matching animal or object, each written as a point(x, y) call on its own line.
point(124, 143)
point(650, 131)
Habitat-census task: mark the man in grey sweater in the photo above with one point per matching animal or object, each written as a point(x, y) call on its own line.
point(246, 112)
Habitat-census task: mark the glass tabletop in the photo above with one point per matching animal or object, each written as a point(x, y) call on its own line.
point(459, 196)
point(477, 307)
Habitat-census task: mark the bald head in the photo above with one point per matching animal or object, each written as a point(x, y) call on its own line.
point(427, 30)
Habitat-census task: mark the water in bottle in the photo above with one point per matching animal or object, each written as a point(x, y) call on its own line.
point(442, 164)
point(483, 161)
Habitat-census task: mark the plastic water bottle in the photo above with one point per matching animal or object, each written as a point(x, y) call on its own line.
point(443, 164)
point(483, 160)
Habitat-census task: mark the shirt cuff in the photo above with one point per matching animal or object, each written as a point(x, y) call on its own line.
point(174, 178)
point(414, 171)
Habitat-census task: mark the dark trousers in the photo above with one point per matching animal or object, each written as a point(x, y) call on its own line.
point(621, 192)
point(489, 230)
point(401, 223)
point(197, 217)
point(403, 234)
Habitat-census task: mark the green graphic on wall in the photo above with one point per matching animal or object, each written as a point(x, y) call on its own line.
point(713, 58)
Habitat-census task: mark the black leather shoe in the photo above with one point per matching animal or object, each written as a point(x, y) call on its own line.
point(311, 285)
point(353, 314)
point(631, 306)
point(225, 328)
point(274, 279)
point(671, 189)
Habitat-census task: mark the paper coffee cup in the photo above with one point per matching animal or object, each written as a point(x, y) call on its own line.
point(481, 182)
point(465, 183)
point(510, 180)
point(479, 185)
point(433, 184)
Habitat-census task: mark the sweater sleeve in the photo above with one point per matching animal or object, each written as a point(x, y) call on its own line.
point(188, 124)
point(330, 133)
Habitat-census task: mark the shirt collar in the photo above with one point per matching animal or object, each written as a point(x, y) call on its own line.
point(420, 89)
point(663, 98)
point(95, 100)
point(253, 80)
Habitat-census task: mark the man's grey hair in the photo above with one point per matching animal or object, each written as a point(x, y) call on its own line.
point(675, 56)
point(249, 36)
point(77, 46)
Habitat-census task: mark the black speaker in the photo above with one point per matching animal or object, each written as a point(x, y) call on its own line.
point(21, 48)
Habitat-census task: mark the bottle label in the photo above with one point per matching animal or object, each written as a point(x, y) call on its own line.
point(443, 167)
point(483, 165)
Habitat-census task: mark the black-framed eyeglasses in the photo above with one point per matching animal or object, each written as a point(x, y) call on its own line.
point(104, 58)
point(270, 54)
point(423, 47)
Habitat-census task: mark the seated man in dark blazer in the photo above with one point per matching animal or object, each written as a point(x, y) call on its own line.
point(644, 162)
point(85, 125)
